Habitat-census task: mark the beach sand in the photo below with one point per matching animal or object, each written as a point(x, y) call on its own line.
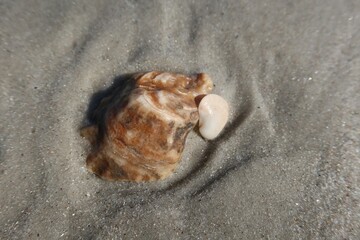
point(286, 167)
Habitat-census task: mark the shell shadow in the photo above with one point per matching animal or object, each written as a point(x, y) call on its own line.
point(120, 88)
point(100, 101)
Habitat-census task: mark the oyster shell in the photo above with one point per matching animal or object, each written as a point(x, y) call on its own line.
point(139, 134)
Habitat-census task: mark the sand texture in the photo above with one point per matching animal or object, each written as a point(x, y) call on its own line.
point(286, 167)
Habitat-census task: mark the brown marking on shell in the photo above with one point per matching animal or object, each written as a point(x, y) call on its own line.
point(143, 136)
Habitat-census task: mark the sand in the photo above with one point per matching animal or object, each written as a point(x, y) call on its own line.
point(286, 167)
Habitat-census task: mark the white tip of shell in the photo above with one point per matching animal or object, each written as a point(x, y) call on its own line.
point(213, 115)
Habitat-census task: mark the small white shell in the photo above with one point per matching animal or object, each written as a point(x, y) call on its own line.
point(213, 115)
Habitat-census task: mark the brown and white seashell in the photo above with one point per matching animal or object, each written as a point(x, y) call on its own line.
point(141, 135)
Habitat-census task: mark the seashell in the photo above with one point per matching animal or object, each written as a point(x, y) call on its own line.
point(213, 115)
point(140, 131)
